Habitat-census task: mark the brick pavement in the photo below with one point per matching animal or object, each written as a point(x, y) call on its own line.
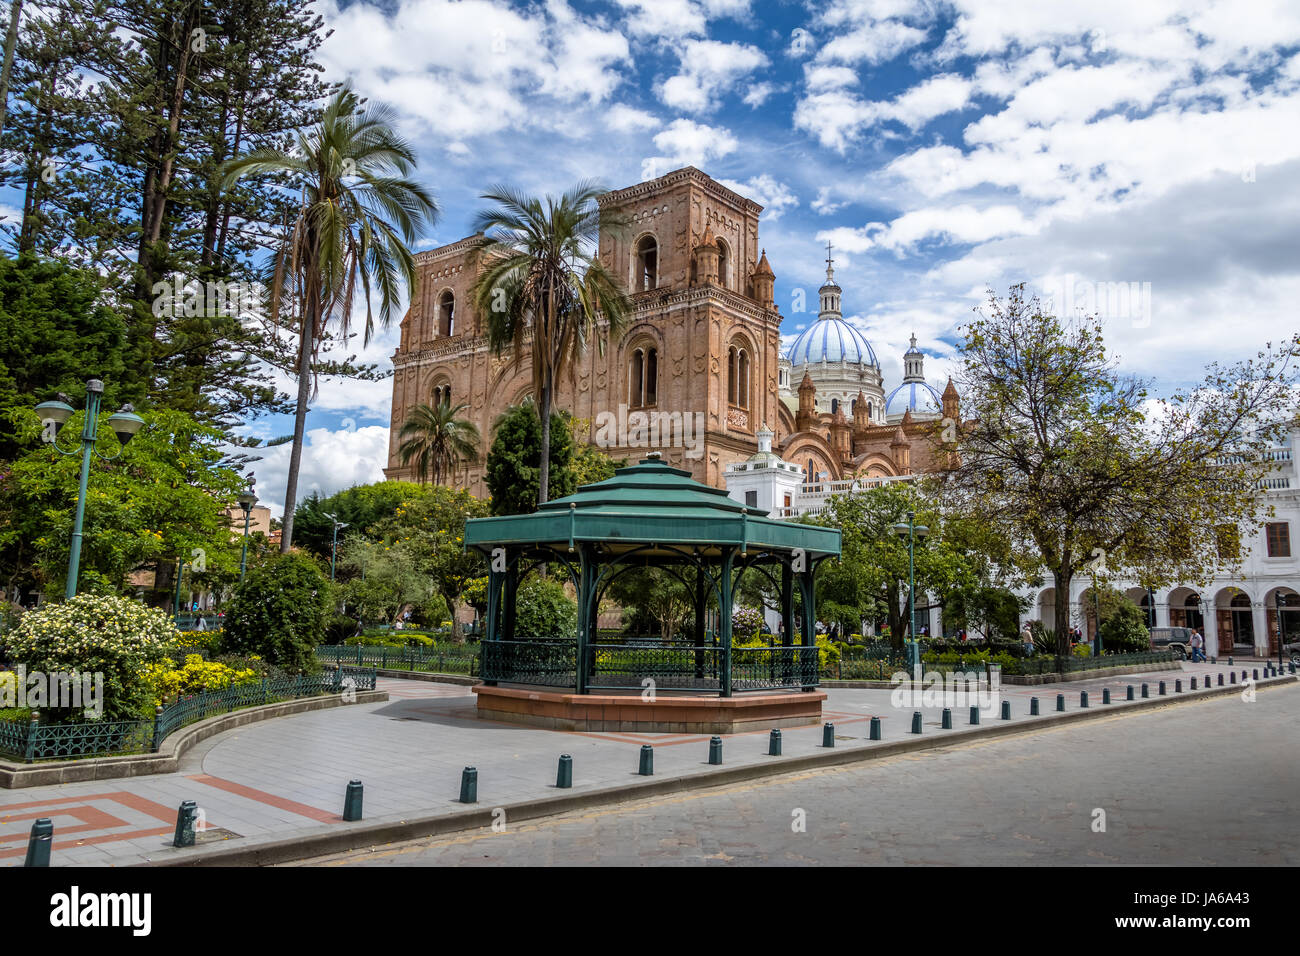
point(285, 777)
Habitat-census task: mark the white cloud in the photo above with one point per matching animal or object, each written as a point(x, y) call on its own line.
point(331, 461)
point(627, 119)
point(687, 143)
point(775, 197)
point(836, 117)
point(708, 68)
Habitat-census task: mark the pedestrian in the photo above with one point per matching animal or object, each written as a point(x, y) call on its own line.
point(1027, 640)
point(1198, 644)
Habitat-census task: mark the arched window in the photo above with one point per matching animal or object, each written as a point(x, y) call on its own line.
point(731, 375)
point(868, 411)
point(643, 378)
point(447, 314)
point(441, 393)
point(722, 264)
point(647, 265)
point(738, 377)
point(835, 405)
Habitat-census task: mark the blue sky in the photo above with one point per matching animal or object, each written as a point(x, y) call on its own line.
point(943, 146)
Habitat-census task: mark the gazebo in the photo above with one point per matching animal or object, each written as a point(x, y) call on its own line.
point(649, 515)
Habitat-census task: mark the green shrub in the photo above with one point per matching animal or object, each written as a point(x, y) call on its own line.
point(1125, 630)
point(746, 621)
point(280, 612)
point(94, 634)
point(543, 610)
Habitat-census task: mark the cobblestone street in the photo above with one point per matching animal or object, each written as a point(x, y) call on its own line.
point(1207, 783)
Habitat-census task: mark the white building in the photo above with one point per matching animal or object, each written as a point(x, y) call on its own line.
point(1239, 614)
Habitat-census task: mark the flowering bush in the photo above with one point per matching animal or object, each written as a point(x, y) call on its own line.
point(746, 621)
point(195, 677)
point(91, 634)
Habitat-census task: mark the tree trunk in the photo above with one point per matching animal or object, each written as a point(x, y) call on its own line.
point(11, 39)
point(1061, 581)
point(299, 428)
point(544, 466)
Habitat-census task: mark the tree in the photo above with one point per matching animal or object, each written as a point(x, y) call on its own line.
point(655, 594)
point(362, 508)
point(871, 578)
point(164, 498)
point(543, 289)
point(589, 464)
point(379, 580)
point(280, 612)
point(1081, 469)
point(358, 211)
point(437, 440)
point(430, 528)
point(513, 477)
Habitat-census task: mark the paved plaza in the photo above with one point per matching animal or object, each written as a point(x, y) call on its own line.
point(1207, 784)
point(285, 778)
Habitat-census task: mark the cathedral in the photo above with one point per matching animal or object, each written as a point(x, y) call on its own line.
point(699, 373)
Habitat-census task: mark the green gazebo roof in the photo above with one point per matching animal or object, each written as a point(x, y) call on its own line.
point(651, 503)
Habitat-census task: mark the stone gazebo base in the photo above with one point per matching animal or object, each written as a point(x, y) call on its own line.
point(563, 710)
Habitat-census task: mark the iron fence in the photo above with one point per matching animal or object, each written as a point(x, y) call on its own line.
point(438, 659)
point(29, 740)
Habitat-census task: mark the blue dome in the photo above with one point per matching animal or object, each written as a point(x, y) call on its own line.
point(831, 340)
point(914, 395)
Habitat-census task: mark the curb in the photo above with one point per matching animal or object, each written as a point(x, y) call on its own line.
point(20, 776)
point(321, 841)
point(431, 676)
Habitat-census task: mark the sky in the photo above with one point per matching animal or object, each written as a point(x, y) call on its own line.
point(1137, 160)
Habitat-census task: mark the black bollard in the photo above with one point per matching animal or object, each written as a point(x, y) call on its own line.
point(974, 714)
point(1105, 695)
point(1220, 680)
point(647, 767)
point(564, 775)
point(352, 801)
point(1232, 678)
point(1033, 707)
point(1254, 674)
point(40, 842)
point(875, 728)
point(1146, 690)
point(1060, 702)
point(946, 723)
point(1083, 698)
point(469, 785)
point(774, 743)
point(1193, 683)
point(1162, 688)
point(1006, 710)
point(715, 750)
point(1178, 687)
point(184, 835)
point(828, 735)
point(1130, 692)
point(916, 722)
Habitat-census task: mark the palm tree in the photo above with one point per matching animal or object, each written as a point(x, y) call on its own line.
point(541, 277)
point(437, 440)
point(357, 213)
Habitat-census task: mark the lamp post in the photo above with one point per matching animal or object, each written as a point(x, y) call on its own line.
point(334, 548)
point(1096, 617)
point(125, 423)
point(1277, 610)
point(912, 531)
point(246, 501)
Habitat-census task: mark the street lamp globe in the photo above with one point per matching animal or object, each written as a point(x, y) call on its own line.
point(58, 412)
point(125, 423)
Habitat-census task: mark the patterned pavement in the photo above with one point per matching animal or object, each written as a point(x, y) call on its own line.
point(287, 776)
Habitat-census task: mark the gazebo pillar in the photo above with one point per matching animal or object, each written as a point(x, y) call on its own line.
point(809, 615)
point(701, 604)
point(510, 595)
point(787, 605)
point(586, 596)
point(724, 618)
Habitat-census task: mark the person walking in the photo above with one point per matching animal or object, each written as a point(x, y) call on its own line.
point(1027, 640)
point(1198, 646)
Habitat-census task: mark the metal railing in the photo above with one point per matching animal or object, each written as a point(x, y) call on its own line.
point(29, 740)
point(437, 659)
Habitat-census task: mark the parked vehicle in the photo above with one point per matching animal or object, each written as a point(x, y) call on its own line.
point(1176, 639)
